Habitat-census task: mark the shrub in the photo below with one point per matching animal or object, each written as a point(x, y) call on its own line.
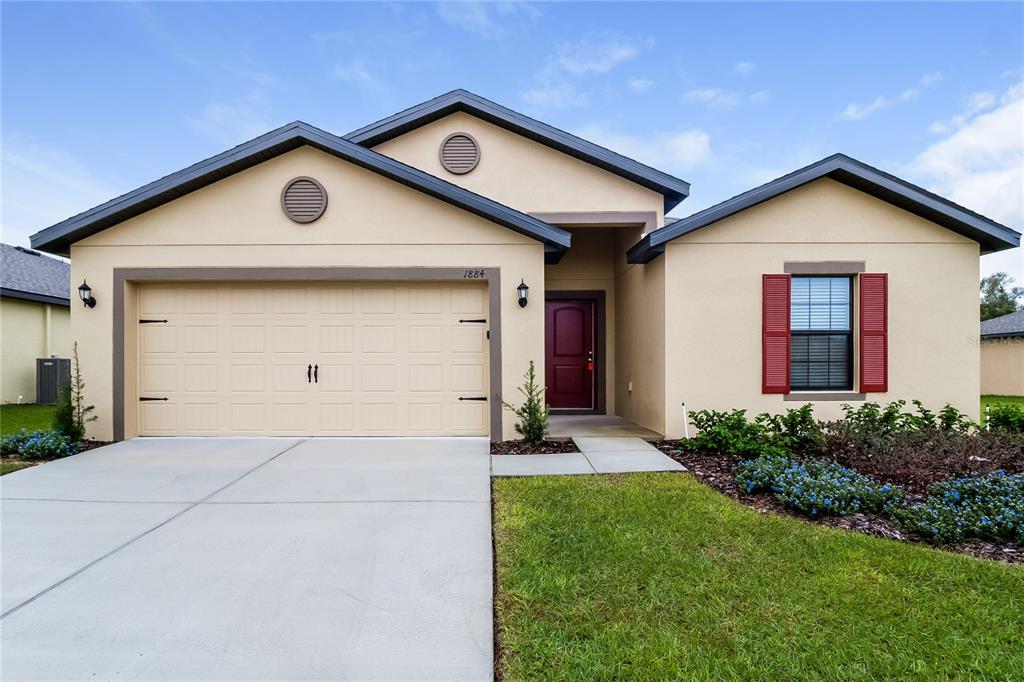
point(38, 444)
point(533, 413)
point(871, 420)
point(796, 431)
point(990, 506)
point(1006, 417)
point(818, 487)
point(72, 414)
point(919, 458)
point(731, 433)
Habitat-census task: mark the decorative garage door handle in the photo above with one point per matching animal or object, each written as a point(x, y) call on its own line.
point(309, 374)
point(316, 374)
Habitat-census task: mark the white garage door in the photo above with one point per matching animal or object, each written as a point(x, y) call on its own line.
point(312, 359)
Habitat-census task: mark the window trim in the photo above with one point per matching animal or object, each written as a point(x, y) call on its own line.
point(849, 333)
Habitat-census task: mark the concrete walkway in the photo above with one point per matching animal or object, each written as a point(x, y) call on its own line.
point(597, 455)
point(250, 558)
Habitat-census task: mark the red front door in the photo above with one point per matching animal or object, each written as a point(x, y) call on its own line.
point(569, 354)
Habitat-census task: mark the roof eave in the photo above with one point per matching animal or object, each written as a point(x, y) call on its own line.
point(34, 297)
point(673, 189)
point(59, 237)
point(990, 235)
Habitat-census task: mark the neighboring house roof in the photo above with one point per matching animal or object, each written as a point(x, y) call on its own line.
point(673, 189)
point(991, 235)
point(31, 276)
point(58, 238)
point(1004, 326)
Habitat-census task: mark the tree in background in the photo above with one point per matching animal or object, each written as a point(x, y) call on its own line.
point(998, 298)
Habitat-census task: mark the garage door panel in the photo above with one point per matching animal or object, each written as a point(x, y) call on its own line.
point(392, 359)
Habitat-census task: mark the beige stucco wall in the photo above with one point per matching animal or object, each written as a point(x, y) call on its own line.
point(1002, 367)
point(28, 331)
point(713, 280)
point(370, 222)
point(590, 266)
point(521, 173)
point(640, 333)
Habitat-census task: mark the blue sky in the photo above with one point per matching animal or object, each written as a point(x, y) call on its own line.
point(99, 98)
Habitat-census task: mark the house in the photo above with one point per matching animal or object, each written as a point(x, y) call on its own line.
point(398, 281)
point(1002, 355)
point(35, 318)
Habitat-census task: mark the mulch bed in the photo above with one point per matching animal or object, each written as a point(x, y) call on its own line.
point(548, 447)
point(93, 444)
point(715, 469)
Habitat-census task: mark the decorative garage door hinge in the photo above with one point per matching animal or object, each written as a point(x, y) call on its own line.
point(478, 397)
point(146, 399)
point(152, 321)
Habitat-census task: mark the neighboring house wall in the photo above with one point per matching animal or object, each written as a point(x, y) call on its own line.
point(1002, 366)
point(28, 331)
point(713, 283)
point(520, 173)
point(370, 221)
point(590, 266)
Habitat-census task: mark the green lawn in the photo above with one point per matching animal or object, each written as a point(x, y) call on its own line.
point(994, 400)
point(14, 418)
point(7, 466)
point(656, 576)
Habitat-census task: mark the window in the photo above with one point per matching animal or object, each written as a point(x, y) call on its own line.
point(821, 346)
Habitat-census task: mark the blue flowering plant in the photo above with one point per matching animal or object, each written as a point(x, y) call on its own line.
point(38, 445)
point(988, 507)
point(817, 487)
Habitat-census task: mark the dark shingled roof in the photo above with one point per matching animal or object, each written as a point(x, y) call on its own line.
point(989, 234)
point(672, 188)
point(31, 276)
point(59, 238)
point(1003, 327)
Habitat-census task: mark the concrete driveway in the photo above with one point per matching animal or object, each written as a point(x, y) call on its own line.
point(254, 558)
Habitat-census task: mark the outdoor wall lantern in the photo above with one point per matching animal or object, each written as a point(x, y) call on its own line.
point(523, 292)
point(85, 293)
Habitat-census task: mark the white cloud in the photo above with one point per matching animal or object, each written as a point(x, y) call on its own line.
point(483, 18)
point(640, 84)
point(975, 103)
point(560, 96)
point(744, 69)
point(980, 165)
point(595, 57)
point(233, 122)
point(713, 97)
point(353, 72)
point(759, 97)
point(675, 151)
point(42, 185)
point(858, 112)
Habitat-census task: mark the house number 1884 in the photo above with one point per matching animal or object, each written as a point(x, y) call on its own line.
point(473, 274)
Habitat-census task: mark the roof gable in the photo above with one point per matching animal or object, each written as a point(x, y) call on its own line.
point(991, 235)
point(58, 238)
point(673, 189)
point(31, 276)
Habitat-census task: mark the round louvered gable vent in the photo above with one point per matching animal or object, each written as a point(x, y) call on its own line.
point(459, 153)
point(304, 200)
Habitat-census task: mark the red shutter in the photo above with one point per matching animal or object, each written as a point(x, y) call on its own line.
point(775, 333)
point(874, 332)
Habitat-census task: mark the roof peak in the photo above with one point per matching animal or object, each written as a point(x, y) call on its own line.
point(672, 188)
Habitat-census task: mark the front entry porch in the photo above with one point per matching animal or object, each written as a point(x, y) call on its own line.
point(566, 426)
